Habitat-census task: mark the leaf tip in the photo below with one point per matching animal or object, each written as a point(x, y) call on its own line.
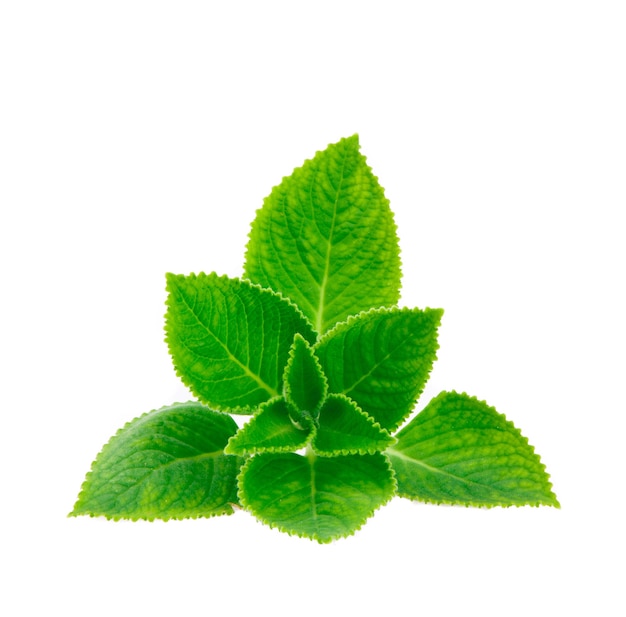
point(171, 279)
point(352, 140)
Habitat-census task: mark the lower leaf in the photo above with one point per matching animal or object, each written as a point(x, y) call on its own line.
point(459, 450)
point(315, 497)
point(166, 464)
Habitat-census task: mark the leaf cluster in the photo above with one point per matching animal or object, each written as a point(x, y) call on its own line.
point(309, 343)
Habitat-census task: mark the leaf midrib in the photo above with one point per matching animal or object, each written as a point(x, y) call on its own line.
point(391, 452)
point(311, 457)
point(374, 368)
point(245, 367)
point(324, 282)
point(152, 470)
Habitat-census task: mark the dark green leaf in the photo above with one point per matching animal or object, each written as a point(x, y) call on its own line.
point(305, 384)
point(319, 498)
point(346, 429)
point(229, 340)
point(381, 359)
point(166, 464)
point(270, 430)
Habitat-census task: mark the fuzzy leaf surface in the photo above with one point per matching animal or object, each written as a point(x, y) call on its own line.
point(346, 429)
point(304, 382)
point(166, 464)
point(229, 340)
point(381, 359)
point(270, 430)
point(315, 497)
point(325, 238)
point(459, 450)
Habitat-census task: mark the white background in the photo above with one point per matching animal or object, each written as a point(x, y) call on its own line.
point(139, 138)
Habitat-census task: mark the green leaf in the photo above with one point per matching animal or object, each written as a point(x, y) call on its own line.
point(381, 359)
point(346, 429)
point(166, 464)
point(326, 239)
point(229, 339)
point(459, 450)
point(318, 498)
point(304, 382)
point(270, 430)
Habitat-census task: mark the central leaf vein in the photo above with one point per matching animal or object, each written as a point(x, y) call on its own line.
point(329, 246)
point(246, 369)
point(443, 472)
point(150, 470)
point(311, 460)
point(373, 369)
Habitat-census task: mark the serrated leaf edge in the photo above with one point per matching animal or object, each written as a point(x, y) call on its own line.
point(347, 324)
point(290, 361)
point(354, 136)
point(280, 528)
point(469, 504)
point(228, 509)
point(265, 449)
point(246, 409)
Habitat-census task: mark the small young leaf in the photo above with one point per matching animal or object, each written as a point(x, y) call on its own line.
point(166, 464)
point(459, 450)
point(304, 382)
point(229, 339)
point(346, 429)
point(270, 430)
point(381, 359)
point(326, 239)
point(319, 498)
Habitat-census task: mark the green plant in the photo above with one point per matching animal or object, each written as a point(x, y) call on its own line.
point(310, 342)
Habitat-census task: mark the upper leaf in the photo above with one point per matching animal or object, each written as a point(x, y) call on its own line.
point(304, 382)
point(381, 359)
point(318, 498)
point(346, 429)
point(270, 430)
point(459, 450)
point(165, 464)
point(326, 239)
point(229, 339)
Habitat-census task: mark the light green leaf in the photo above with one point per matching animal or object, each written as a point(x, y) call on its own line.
point(166, 464)
point(229, 339)
point(326, 239)
point(315, 497)
point(381, 359)
point(304, 382)
point(459, 450)
point(270, 430)
point(346, 429)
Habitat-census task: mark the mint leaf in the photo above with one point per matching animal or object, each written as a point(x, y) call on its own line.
point(315, 497)
point(346, 429)
point(381, 359)
point(459, 450)
point(304, 382)
point(229, 340)
point(165, 464)
point(312, 344)
point(326, 239)
point(270, 430)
